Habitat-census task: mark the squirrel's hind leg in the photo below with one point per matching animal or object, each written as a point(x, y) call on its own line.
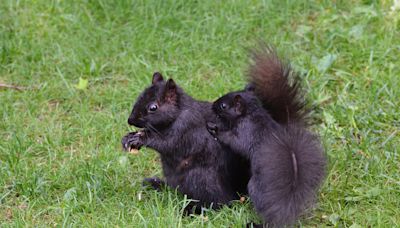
point(154, 182)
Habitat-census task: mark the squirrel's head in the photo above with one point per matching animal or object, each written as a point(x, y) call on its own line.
point(230, 106)
point(157, 106)
point(229, 109)
point(233, 106)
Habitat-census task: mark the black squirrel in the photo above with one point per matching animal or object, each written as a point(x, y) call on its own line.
point(174, 124)
point(267, 124)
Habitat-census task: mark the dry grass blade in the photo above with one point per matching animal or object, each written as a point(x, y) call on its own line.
point(5, 86)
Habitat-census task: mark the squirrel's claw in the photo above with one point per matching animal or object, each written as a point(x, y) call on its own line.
point(212, 129)
point(132, 141)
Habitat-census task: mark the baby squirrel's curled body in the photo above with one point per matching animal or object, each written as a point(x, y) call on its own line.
point(174, 124)
point(266, 124)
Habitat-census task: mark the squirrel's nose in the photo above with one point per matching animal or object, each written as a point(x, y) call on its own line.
point(131, 121)
point(137, 122)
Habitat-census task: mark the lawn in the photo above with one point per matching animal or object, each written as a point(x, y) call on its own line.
point(61, 162)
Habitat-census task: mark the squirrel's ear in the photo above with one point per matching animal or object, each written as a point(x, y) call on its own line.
point(157, 77)
point(170, 94)
point(239, 104)
point(249, 87)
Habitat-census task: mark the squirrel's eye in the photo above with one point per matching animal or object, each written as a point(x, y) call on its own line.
point(223, 106)
point(153, 107)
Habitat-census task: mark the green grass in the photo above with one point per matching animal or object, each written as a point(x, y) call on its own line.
point(60, 156)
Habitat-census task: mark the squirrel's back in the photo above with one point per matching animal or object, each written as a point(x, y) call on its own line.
point(277, 86)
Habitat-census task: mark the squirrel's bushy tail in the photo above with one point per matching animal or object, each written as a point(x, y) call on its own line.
point(277, 86)
point(294, 169)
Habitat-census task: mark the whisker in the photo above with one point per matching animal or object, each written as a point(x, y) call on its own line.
point(153, 129)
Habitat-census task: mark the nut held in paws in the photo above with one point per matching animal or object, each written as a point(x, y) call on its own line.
point(134, 151)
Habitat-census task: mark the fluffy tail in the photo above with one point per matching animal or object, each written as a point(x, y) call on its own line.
point(294, 169)
point(277, 86)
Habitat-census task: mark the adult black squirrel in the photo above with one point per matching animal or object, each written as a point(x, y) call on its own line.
point(174, 124)
point(267, 124)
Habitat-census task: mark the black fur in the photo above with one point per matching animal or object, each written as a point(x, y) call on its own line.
point(266, 123)
point(287, 161)
point(193, 162)
point(277, 86)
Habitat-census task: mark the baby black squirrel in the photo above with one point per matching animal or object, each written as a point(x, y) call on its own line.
point(174, 124)
point(267, 124)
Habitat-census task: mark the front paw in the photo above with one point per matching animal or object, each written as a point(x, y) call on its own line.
point(212, 129)
point(132, 140)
